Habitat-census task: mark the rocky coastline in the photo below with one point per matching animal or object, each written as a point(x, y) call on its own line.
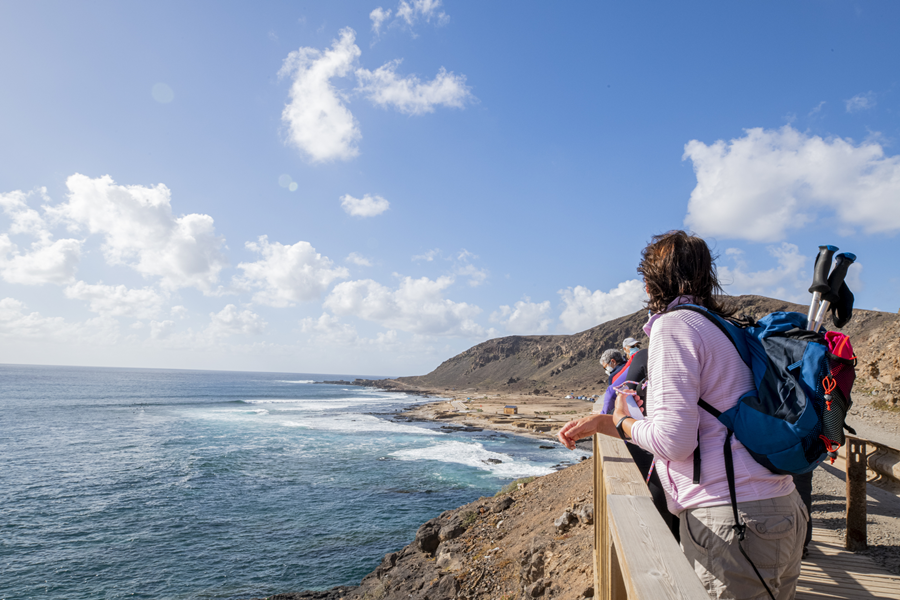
point(535, 539)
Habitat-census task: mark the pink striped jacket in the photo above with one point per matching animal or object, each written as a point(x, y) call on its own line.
point(690, 358)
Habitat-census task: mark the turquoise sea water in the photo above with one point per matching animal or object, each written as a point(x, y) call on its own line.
point(139, 483)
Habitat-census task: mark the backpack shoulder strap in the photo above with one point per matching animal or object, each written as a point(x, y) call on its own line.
point(739, 526)
point(719, 321)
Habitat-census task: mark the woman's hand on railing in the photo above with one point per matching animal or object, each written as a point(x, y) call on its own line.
point(586, 427)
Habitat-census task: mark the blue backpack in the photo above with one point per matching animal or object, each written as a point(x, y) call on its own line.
point(794, 418)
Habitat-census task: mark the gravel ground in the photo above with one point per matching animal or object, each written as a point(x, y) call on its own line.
point(883, 515)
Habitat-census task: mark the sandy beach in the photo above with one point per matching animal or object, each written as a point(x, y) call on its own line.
point(535, 416)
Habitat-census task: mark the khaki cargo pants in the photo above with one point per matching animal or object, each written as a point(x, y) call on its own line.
point(774, 541)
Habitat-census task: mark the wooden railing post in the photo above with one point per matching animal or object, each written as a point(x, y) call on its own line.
point(635, 555)
point(602, 549)
point(856, 494)
point(599, 519)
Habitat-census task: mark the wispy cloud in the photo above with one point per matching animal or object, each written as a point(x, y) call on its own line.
point(358, 260)
point(118, 300)
point(408, 14)
point(409, 95)
point(378, 17)
point(416, 10)
point(861, 102)
point(367, 206)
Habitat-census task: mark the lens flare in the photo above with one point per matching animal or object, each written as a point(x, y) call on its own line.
point(162, 93)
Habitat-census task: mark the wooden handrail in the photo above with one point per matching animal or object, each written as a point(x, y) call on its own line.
point(635, 555)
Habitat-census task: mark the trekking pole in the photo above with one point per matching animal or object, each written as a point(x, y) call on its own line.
point(820, 282)
point(841, 264)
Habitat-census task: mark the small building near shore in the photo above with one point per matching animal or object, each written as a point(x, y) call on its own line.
point(509, 409)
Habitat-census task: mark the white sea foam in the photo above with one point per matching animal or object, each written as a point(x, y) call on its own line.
point(323, 402)
point(258, 411)
point(474, 455)
point(297, 381)
point(353, 423)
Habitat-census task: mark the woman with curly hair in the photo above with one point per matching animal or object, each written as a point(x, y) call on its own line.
point(689, 359)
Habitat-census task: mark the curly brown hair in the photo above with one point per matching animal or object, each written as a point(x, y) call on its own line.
point(680, 264)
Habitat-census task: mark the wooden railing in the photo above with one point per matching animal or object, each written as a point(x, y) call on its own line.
point(635, 555)
point(883, 460)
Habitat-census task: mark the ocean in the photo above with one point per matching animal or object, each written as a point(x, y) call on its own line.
point(145, 483)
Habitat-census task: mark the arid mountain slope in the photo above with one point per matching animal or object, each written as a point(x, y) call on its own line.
point(552, 363)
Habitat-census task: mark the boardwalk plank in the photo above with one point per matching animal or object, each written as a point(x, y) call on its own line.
point(833, 572)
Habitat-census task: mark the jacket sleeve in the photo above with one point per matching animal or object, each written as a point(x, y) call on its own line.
point(674, 369)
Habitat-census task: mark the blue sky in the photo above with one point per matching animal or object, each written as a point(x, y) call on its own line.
point(373, 187)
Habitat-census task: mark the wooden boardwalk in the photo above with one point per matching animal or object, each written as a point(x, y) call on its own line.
point(636, 558)
point(830, 571)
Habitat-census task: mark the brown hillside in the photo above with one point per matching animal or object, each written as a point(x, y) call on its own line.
point(567, 362)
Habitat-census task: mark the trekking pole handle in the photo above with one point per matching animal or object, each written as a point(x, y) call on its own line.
point(820, 271)
point(820, 283)
point(842, 262)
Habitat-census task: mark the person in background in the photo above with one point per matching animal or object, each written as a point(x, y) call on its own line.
point(630, 346)
point(635, 376)
point(689, 359)
point(804, 488)
point(616, 366)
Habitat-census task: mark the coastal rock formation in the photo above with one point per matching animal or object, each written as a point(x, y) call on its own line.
point(494, 548)
point(501, 547)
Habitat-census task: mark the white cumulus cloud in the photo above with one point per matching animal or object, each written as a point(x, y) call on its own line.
point(140, 231)
point(45, 261)
point(160, 330)
point(759, 186)
point(416, 306)
point(18, 324)
point(23, 218)
point(118, 300)
point(524, 317)
point(788, 281)
point(318, 122)
point(367, 206)
point(329, 329)
point(287, 274)
point(409, 95)
point(583, 309)
point(231, 321)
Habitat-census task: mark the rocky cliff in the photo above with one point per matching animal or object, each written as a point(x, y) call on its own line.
point(548, 364)
point(533, 541)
